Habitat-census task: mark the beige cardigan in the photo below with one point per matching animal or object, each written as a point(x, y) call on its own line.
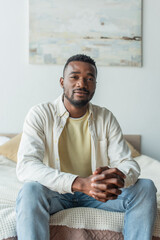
point(38, 156)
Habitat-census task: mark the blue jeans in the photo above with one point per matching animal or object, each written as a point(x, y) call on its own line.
point(35, 204)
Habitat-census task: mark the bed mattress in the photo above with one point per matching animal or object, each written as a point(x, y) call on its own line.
point(77, 223)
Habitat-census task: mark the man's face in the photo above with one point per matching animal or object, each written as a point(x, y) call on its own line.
point(79, 83)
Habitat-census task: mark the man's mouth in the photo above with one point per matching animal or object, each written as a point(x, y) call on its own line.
point(80, 92)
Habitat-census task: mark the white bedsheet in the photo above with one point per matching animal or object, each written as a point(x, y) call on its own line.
point(79, 217)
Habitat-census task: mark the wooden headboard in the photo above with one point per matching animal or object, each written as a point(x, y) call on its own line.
point(135, 140)
point(10, 135)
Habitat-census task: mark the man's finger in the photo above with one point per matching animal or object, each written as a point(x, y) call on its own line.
point(103, 176)
point(110, 172)
point(105, 200)
point(117, 182)
point(115, 171)
point(103, 195)
point(100, 170)
point(104, 187)
point(98, 177)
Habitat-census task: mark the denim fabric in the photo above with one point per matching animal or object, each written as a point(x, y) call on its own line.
point(35, 204)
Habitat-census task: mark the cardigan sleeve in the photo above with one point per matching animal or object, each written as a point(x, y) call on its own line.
point(120, 154)
point(30, 166)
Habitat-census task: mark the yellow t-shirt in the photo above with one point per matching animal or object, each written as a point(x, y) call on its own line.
point(75, 147)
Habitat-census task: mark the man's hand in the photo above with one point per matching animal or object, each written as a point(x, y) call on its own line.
point(103, 185)
point(106, 183)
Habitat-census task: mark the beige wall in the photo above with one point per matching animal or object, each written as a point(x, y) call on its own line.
point(132, 94)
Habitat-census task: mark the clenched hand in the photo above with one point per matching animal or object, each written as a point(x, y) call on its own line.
point(106, 183)
point(103, 185)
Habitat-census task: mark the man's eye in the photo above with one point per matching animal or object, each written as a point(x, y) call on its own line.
point(90, 79)
point(74, 77)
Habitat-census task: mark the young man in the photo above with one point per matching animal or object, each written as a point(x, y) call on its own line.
point(73, 154)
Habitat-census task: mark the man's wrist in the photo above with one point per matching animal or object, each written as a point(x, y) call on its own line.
point(78, 184)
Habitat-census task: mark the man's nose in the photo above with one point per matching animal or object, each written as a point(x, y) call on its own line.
point(81, 82)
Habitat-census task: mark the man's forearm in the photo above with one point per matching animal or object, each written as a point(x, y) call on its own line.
point(79, 184)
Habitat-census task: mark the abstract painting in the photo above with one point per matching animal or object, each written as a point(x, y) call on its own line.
point(107, 30)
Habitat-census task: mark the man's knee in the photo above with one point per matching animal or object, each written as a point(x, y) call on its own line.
point(146, 190)
point(32, 202)
point(147, 185)
point(30, 194)
point(31, 189)
point(32, 186)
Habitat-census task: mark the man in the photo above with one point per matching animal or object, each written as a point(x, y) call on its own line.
point(73, 154)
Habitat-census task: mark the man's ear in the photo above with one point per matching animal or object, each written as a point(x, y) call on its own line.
point(62, 82)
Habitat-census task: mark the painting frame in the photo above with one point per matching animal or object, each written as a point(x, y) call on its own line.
point(110, 31)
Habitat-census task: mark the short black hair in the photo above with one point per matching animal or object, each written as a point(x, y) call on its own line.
point(80, 58)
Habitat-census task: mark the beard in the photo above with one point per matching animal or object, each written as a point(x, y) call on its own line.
point(78, 103)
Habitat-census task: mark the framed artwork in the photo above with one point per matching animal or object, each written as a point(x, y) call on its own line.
point(107, 30)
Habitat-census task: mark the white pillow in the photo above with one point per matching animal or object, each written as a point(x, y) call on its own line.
point(150, 169)
point(3, 140)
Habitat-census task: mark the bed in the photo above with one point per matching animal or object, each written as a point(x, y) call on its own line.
point(77, 223)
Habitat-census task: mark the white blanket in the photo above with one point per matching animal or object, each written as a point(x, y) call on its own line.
point(77, 218)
